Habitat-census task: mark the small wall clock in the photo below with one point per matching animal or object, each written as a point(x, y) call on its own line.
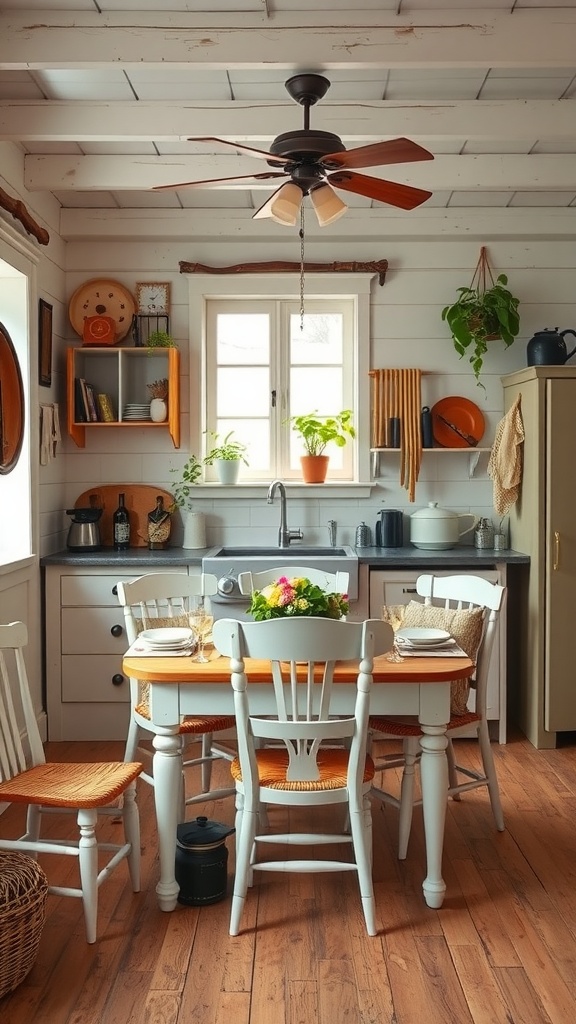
point(153, 297)
point(102, 298)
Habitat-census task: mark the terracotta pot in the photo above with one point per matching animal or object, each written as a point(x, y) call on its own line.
point(314, 468)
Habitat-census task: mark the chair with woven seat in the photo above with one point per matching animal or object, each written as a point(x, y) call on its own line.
point(165, 599)
point(463, 605)
point(89, 789)
point(310, 768)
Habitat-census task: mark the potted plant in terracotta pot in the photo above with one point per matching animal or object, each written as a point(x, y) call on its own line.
point(194, 524)
point(226, 455)
point(484, 311)
point(316, 433)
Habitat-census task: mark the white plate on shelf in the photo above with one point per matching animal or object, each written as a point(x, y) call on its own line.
point(170, 636)
point(420, 636)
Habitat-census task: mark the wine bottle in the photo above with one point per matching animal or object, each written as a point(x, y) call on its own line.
point(121, 520)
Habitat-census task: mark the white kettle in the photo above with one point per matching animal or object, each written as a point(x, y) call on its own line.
point(438, 529)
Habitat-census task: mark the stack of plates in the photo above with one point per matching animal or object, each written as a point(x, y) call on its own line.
point(421, 637)
point(136, 411)
point(168, 639)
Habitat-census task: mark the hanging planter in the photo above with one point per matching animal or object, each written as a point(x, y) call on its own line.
point(485, 311)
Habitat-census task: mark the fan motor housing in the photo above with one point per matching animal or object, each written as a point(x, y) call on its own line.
point(309, 144)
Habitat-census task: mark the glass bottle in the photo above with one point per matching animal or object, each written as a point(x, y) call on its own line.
point(121, 521)
point(159, 524)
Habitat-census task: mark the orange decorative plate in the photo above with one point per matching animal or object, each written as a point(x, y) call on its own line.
point(462, 414)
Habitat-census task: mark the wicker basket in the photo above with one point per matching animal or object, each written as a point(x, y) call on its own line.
point(23, 892)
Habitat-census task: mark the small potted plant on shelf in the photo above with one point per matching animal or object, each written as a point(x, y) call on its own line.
point(316, 433)
point(158, 394)
point(481, 314)
point(159, 339)
point(226, 455)
point(194, 524)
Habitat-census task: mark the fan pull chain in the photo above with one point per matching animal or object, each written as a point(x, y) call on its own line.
point(301, 233)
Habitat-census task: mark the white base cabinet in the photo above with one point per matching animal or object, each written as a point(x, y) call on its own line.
point(88, 697)
point(388, 586)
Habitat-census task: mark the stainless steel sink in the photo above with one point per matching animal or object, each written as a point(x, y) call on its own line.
point(227, 562)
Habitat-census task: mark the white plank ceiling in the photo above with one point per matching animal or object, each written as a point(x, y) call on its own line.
point(101, 95)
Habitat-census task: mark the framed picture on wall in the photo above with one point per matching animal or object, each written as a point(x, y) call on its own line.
point(44, 343)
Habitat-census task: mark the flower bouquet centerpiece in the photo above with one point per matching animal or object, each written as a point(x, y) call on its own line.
point(296, 596)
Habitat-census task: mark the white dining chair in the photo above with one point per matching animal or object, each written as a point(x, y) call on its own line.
point(310, 768)
point(90, 789)
point(331, 582)
point(464, 594)
point(164, 599)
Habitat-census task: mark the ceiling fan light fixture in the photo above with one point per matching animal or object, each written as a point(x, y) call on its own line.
point(328, 207)
point(285, 207)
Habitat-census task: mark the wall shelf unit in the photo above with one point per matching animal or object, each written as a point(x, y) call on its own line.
point(123, 375)
point(472, 453)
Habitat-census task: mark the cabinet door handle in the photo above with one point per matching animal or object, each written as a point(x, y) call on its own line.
point(556, 550)
point(117, 630)
point(117, 679)
point(409, 590)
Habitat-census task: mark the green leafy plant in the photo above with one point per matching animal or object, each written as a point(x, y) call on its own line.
point(160, 339)
point(190, 475)
point(229, 451)
point(481, 314)
point(317, 431)
point(294, 597)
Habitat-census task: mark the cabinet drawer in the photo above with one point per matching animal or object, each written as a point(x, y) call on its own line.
point(88, 631)
point(89, 679)
point(92, 590)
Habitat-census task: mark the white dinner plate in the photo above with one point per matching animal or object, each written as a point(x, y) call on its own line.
point(420, 636)
point(168, 637)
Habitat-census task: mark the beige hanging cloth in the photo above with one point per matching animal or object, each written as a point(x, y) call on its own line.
point(505, 463)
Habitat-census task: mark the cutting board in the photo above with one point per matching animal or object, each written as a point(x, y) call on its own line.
point(140, 499)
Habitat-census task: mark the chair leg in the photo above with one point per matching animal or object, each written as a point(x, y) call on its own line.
point(33, 824)
point(131, 741)
point(411, 750)
point(244, 844)
point(490, 773)
point(131, 821)
point(207, 765)
point(363, 863)
point(88, 863)
point(452, 773)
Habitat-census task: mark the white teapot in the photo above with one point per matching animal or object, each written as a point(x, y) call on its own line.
point(438, 529)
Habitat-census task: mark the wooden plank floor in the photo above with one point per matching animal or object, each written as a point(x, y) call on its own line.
point(502, 950)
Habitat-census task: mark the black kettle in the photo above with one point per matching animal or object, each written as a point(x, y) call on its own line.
point(548, 348)
point(390, 528)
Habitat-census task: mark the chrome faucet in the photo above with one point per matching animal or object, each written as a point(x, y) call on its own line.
point(284, 534)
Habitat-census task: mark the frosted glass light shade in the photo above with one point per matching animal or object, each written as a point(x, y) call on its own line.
point(285, 207)
point(327, 205)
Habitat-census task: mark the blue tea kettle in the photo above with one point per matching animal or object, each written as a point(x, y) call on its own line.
point(548, 348)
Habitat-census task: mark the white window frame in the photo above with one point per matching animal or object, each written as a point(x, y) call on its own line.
point(284, 286)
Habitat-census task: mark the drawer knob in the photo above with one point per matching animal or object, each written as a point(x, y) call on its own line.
point(117, 679)
point(115, 590)
point(117, 630)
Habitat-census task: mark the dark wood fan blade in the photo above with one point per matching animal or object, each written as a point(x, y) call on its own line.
point(404, 196)
point(215, 181)
point(396, 151)
point(261, 154)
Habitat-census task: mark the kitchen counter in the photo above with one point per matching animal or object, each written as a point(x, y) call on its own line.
point(377, 557)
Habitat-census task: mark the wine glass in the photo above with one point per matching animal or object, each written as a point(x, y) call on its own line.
point(201, 620)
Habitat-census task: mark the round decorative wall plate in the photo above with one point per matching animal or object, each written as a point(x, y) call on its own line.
point(102, 297)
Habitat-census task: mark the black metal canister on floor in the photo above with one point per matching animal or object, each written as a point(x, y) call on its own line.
point(201, 861)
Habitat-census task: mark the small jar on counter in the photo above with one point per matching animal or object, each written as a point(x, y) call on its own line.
point(484, 534)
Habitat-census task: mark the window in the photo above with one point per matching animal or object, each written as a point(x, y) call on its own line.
point(261, 368)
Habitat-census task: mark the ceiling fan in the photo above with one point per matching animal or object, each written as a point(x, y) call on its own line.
point(315, 163)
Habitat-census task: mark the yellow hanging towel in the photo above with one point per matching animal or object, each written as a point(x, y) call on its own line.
point(505, 463)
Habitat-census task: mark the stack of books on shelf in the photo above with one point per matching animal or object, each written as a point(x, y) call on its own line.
point(90, 407)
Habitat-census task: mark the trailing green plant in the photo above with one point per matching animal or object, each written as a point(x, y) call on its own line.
point(481, 314)
point(190, 475)
point(229, 451)
point(318, 431)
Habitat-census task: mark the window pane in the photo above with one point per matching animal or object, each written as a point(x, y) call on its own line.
point(243, 392)
point(319, 389)
point(320, 341)
point(243, 338)
point(253, 433)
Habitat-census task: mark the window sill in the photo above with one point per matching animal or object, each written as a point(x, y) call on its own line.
point(255, 489)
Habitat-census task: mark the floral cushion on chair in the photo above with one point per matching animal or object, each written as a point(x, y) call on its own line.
point(465, 625)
